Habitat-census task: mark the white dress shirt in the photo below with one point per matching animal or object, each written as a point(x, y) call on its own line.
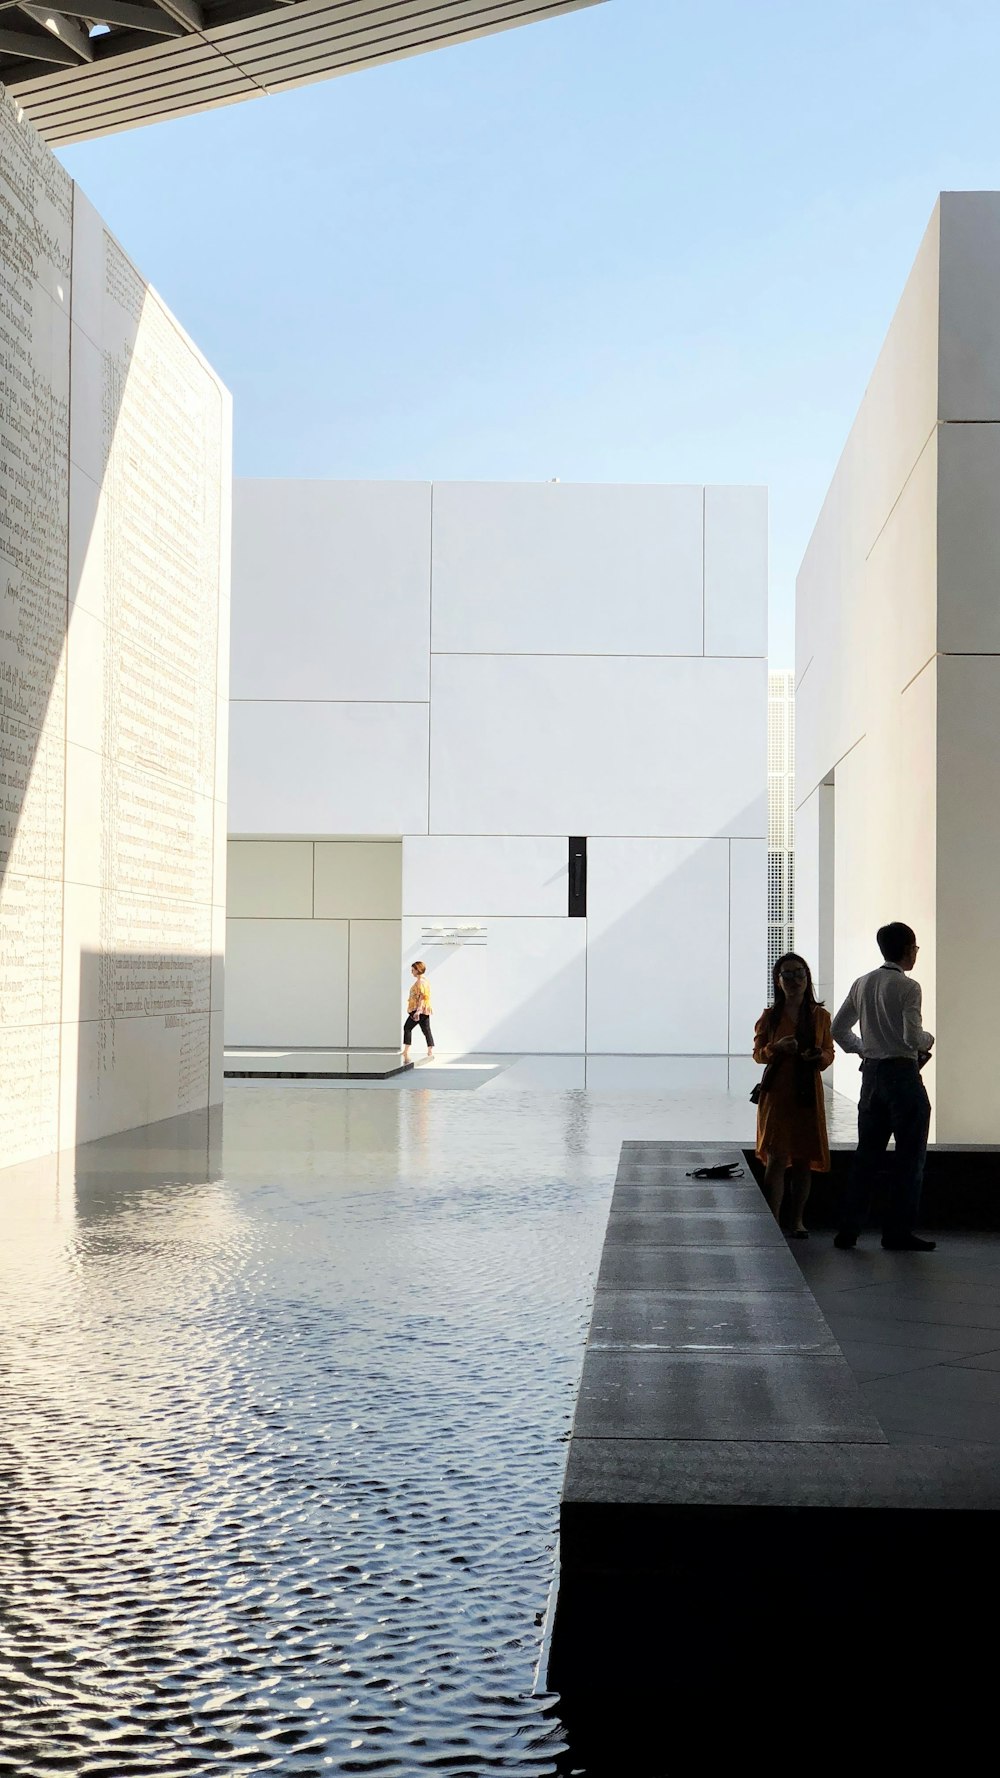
point(887, 1005)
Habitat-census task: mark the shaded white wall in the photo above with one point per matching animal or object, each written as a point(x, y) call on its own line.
point(114, 578)
point(897, 662)
point(487, 669)
point(313, 943)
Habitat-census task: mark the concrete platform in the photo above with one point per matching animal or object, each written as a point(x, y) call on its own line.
point(298, 1064)
point(731, 1491)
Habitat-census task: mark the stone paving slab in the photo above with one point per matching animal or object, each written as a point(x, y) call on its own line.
point(711, 1320)
point(661, 1267)
point(763, 1396)
point(641, 1194)
point(752, 1475)
point(660, 1226)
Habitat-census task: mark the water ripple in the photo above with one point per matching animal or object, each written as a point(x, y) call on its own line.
point(280, 1456)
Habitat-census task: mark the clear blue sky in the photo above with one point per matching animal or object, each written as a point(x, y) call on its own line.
point(650, 241)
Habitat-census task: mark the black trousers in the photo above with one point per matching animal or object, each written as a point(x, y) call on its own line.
point(425, 1025)
point(893, 1102)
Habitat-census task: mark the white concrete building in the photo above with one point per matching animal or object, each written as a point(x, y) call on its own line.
point(780, 817)
point(115, 480)
point(434, 690)
point(898, 669)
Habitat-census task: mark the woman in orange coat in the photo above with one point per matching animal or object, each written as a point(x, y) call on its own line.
point(793, 1034)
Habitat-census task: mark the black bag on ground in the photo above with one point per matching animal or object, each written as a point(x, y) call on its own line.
point(727, 1170)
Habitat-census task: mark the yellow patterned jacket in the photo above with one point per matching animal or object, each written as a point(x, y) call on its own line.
point(419, 1002)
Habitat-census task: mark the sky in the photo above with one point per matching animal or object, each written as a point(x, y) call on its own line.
point(649, 241)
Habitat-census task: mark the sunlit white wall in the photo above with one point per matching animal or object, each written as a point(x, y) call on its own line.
point(114, 574)
point(488, 669)
point(898, 667)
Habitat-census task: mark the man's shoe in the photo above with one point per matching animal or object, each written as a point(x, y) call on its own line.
point(907, 1244)
point(845, 1239)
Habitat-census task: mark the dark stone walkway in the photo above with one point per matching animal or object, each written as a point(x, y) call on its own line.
point(921, 1332)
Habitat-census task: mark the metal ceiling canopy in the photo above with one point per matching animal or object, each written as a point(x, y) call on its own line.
point(98, 66)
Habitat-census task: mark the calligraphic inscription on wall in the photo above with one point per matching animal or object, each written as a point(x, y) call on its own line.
point(161, 526)
point(35, 236)
point(453, 935)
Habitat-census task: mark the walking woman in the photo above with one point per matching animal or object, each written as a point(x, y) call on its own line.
point(418, 1012)
point(794, 1037)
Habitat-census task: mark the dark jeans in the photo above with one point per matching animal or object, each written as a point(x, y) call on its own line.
point(425, 1026)
point(893, 1102)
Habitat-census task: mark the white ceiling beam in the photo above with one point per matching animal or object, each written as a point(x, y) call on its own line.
point(120, 12)
point(65, 31)
point(187, 13)
point(31, 48)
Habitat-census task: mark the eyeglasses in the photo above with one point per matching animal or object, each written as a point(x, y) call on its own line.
point(793, 975)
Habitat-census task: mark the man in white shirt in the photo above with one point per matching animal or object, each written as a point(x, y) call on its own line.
point(893, 1047)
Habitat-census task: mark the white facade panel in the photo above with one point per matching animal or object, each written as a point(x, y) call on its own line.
point(962, 1012)
point(301, 768)
point(358, 880)
point(574, 746)
point(112, 641)
point(747, 919)
point(569, 693)
point(286, 982)
point(658, 946)
point(270, 879)
point(332, 590)
point(549, 568)
point(968, 540)
point(969, 367)
point(499, 875)
point(808, 892)
point(736, 571)
point(375, 1007)
point(524, 989)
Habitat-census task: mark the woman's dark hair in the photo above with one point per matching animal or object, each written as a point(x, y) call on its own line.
point(806, 1031)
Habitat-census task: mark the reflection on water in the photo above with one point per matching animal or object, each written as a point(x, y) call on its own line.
point(282, 1435)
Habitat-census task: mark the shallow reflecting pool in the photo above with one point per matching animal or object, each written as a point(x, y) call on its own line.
point(283, 1423)
point(283, 1431)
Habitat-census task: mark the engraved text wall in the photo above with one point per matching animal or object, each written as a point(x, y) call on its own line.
point(114, 516)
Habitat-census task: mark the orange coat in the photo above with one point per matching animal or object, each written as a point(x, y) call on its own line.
point(784, 1127)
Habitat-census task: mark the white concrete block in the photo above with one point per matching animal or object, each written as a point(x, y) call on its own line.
point(567, 569)
point(574, 746)
point(375, 1011)
point(84, 854)
point(270, 879)
point(286, 982)
point(88, 268)
point(524, 990)
point(87, 513)
point(132, 1071)
point(807, 891)
point(86, 424)
point(216, 1069)
point(218, 994)
point(968, 540)
point(81, 944)
point(658, 952)
point(747, 940)
point(327, 768)
point(500, 875)
point(736, 571)
point(358, 879)
point(968, 870)
point(331, 590)
point(85, 646)
point(29, 1109)
point(969, 387)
